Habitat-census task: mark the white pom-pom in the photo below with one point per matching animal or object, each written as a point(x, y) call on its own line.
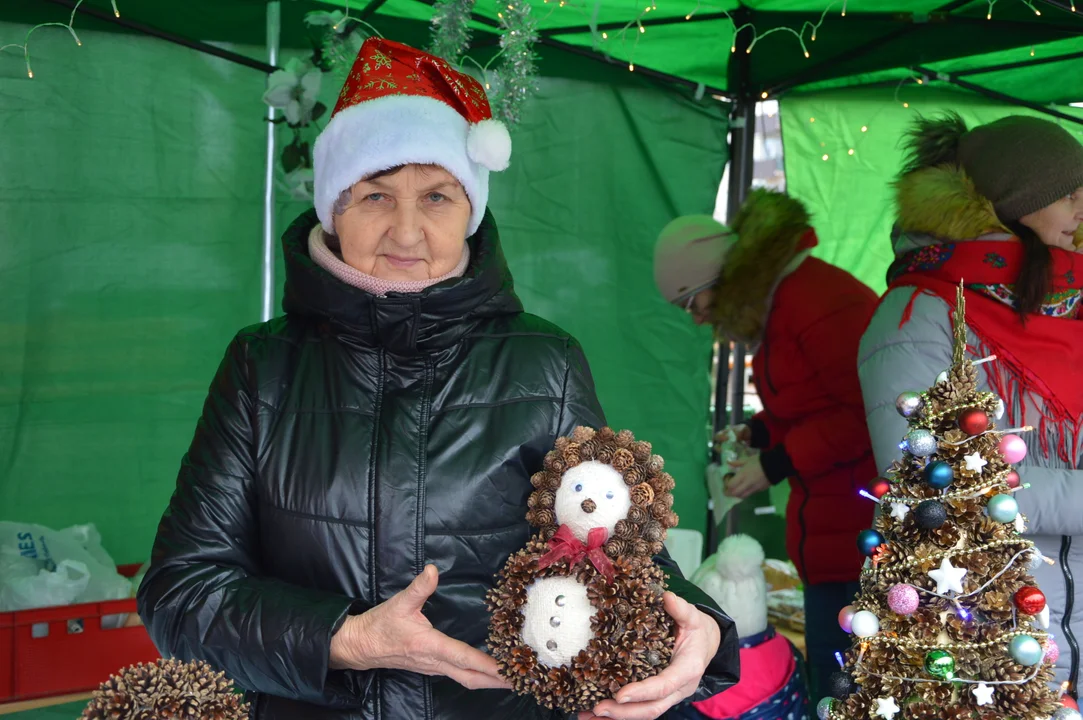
point(739, 557)
point(489, 145)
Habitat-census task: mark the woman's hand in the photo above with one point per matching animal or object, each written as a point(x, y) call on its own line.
point(749, 480)
point(734, 433)
point(395, 634)
point(697, 642)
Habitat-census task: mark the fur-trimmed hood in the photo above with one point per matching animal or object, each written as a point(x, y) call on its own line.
point(772, 237)
point(940, 204)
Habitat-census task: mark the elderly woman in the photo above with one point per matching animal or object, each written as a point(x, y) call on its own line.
point(384, 432)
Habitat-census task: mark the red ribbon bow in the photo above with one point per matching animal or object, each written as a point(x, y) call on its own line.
point(566, 545)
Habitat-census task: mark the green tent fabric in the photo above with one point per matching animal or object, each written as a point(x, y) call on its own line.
point(850, 196)
point(130, 209)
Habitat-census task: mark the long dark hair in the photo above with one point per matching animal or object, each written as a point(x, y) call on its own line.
point(1036, 275)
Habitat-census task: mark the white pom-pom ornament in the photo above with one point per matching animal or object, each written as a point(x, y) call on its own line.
point(489, 145)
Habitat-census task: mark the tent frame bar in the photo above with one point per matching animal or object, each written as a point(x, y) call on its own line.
point(953, 79)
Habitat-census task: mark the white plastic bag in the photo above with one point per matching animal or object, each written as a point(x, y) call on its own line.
point(40, 567)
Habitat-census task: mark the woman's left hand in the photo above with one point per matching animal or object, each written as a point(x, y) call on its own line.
point(697, 642)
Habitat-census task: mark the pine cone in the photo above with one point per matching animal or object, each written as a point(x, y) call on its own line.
point(642, 495)
point(964, 378)
point(625, 530)
point(637, 515)
point(583, 434)
point(623, 459)
point(616, 547)
point(634, 475)
point(624, 439)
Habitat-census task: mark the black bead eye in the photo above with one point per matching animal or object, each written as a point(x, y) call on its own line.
point(579, 487)
point(609, 495)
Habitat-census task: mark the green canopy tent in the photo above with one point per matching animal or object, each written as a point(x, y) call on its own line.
point(104, 372)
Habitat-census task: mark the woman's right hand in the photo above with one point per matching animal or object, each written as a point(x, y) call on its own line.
point(395, 634)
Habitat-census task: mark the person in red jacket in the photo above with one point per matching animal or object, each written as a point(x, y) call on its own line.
point(758, 284)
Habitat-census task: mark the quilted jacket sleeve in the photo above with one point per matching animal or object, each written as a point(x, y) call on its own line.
point(1052, 504)
point(581, 407)
point(204, 596)
point(893, 360)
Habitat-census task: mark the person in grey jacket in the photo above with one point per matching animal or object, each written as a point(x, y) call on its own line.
point(1000, 209)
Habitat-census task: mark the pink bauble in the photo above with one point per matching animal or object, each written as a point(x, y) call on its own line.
point(1013, 448)
point(902, 599)
point(1012, 479)
point(846, 618)
point(1052, 652)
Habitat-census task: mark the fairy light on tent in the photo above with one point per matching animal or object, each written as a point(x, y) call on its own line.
point(25, 45)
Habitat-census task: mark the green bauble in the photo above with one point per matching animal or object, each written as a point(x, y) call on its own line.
point(940, 664)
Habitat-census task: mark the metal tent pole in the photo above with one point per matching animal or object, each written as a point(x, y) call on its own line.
point(274, 27)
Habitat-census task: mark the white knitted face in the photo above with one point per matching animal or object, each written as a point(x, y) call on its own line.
point(592, 495)
point(556, 619)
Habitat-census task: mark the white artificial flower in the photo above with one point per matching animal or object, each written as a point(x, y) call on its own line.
point(333, 18)
point(299, 183)
point(294, 90)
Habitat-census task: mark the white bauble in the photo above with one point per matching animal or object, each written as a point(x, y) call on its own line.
point(865, 624)
point(591, 495)
point(556, 619)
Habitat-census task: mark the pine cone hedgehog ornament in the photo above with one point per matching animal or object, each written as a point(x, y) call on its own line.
point(167, 690)
point(577, 614)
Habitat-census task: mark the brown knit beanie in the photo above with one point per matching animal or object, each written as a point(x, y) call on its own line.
point(1022, 164)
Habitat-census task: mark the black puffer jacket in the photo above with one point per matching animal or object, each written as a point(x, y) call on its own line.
point(344, 446)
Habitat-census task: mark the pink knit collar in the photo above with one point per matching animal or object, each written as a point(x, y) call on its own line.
point(329, 260)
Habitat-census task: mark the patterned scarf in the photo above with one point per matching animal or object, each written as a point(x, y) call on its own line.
point(1044, 356)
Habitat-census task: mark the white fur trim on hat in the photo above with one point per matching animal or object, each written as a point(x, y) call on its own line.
point(388, 132)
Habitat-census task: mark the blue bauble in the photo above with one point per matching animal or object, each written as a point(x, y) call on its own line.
point(921, 443)
point(823, 708)
point(938, 474)
point(868, 541)
point(1026, 651)
point(1003, 508)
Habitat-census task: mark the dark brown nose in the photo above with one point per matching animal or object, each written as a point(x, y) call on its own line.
point(588, 506)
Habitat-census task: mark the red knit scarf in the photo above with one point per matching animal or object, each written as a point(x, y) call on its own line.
point(1043, 358)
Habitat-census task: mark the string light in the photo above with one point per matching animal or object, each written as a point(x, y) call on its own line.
point(25, 46)
point(826, 157)
point(1032, 51)
point(863, 492)
point(864, 128)
point(851, 151)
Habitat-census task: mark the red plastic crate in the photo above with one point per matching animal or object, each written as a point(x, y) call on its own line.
point(76, 655)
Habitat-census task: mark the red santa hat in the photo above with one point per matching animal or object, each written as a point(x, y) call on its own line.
point(401, 106)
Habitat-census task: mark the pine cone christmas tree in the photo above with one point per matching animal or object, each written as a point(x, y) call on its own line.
point(940, 632)
point(167, 690)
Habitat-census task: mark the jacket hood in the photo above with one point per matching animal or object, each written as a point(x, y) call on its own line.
point(770, 227)
point(940, 204)
point(404, 324)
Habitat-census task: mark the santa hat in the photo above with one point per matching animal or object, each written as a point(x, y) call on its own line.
point(401, 106)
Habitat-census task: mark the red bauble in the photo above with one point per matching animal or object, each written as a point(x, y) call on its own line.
point(1012, 479)
point(973, 421)
point(879, 488)
point(1029, 600)
point(1069, 702)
